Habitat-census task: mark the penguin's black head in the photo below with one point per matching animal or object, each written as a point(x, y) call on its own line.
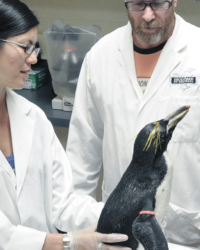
point(152, 140)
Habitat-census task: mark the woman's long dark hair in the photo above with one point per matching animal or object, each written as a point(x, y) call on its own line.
point(15, 18)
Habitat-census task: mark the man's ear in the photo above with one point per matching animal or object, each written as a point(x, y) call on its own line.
point(175, 3)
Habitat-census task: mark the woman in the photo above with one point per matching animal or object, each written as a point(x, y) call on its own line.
point(36, 195)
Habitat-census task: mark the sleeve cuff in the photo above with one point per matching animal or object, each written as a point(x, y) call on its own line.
point(26, 238)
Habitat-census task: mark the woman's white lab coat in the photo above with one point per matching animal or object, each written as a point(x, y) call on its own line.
point(38, 199)
point(110, 109)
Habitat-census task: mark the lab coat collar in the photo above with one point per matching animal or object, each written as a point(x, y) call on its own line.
point(174, 45)
point(22, 128)
point(168, 60)
point(6, 166)
point(126, 57)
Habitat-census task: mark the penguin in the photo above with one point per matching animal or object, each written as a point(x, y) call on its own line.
point(138, 204)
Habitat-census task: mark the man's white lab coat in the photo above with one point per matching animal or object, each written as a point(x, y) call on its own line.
point(38, 199)
point(110, 109)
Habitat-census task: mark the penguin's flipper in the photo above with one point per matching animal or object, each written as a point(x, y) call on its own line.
point(147, 231)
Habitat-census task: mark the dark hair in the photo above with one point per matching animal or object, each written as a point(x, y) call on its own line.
point(15, 18)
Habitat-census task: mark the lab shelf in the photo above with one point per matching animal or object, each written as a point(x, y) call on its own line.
point(42, 97)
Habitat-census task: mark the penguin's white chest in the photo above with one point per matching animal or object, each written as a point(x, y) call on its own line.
point(163, 192)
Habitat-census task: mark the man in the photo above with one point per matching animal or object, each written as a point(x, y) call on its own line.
point(133, 76)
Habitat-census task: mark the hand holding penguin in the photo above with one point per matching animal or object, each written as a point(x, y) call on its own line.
point(144, 189)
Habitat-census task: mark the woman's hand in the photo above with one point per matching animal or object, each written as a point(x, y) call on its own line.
point(85, 239)
point(88, 239)
point(53, 242)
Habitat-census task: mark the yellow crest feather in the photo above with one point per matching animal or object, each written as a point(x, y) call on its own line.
point(154, 132)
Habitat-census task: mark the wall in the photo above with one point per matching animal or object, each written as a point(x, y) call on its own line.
point(189, 10)
point(108, 14)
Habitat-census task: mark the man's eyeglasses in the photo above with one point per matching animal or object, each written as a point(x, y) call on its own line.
point(28, 49)
point(155, 5)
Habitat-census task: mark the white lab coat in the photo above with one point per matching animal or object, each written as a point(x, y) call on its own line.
point(110, 109)
point(38, 199)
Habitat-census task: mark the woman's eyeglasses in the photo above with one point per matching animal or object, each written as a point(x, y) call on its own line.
point(28, 49)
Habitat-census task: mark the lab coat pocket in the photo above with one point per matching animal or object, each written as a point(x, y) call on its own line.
point(188, 130)
point(183, 226)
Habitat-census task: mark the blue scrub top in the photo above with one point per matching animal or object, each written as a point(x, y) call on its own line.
point(10, 159)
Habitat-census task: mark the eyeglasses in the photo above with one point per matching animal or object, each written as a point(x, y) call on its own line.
point(28, 49)
point(155, 5)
